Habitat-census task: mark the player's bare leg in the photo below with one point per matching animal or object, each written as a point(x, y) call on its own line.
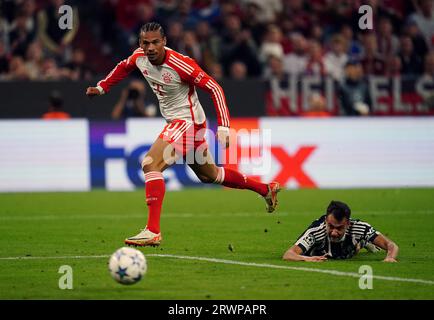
point(160, 157)
point(207, 172)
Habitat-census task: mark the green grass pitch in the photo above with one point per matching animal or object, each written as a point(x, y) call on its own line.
point(205, 223)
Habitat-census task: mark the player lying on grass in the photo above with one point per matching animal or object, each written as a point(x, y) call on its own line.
point(173, 78)
point(336, 236)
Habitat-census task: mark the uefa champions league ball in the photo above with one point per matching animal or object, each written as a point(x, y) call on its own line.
point(127, 265)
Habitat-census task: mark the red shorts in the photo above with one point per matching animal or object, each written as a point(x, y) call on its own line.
point(184, 136)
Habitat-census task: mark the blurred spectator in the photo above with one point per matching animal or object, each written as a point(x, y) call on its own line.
point(428, 79)
point(419, 43)
point(106, 30)
point(277, 100)
point(388, 43)
point(411, 62)
point(4, 61)
point(317, 34)
point(354, 46)
point(190, 47)
point(4, 33)
point(205, 10)
point(237, 45)
point(209, 44)
point(428, 72)
point(174, 35)
point(373, 63)
point(354, 97)
point(17, 69)
point(130, 12)
point(55, 108)
point(251, 20)
point(394, 66)
point(287, 27)
point(317, 107)
point(50, 70)
point(228, 8)
point(271, 46)
point(132, 102)
point(238, 70)
point(184, 14)
point(54, 39)
point(145, 13)
point(165, 10)
point(77, 69)
point(336, 59)
point(216, 71)
point(396, 11)
point(295, 10)
point(20, 36)
point(34, 60)
point(315, 63)
point(28, 8)
point(295, 62)
point(424, 19)
point(267, 9)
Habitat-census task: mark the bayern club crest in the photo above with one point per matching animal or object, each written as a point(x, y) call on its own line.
point(167, 77)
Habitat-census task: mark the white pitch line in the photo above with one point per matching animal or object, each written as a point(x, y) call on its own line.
point(273, 266)
point(182, 215)
point(53, 258)
point(133, 216)
point(239, 263)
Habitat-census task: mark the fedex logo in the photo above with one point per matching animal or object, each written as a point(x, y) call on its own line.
point(116, 151)
point(291, 165)
point(282, 161)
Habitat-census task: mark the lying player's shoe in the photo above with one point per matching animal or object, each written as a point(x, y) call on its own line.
point(145, 238)
point(271, 197)
point(372, 247)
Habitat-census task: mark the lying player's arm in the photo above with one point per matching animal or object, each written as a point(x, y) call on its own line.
point(388, 245)
point(295, 253)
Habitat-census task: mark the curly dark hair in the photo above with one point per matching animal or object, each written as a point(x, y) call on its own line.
point(339, 210)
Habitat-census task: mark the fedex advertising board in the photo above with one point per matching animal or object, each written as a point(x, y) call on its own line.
point(78, 155)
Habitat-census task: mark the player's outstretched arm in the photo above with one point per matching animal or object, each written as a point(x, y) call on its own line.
point(93, 91)
point(121, 71)
point(388, 245)
point(295, 254)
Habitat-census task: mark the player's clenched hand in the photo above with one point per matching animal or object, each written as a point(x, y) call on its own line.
point(223, 136)
point(315, 258)
point(93, 91)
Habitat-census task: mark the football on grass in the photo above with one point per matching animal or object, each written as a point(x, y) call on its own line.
point(127, 265)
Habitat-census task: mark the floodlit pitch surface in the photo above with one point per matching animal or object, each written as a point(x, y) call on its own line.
point(218, 244)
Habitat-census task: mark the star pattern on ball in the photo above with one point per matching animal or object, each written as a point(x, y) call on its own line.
point(119, 255)
point(122, 272)
point(136, 260)
point(138, 277)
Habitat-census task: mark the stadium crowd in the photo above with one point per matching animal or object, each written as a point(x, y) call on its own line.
point(237, 39)
point(268, 39)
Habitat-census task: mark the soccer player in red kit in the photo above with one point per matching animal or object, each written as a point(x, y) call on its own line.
point(173, 77)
